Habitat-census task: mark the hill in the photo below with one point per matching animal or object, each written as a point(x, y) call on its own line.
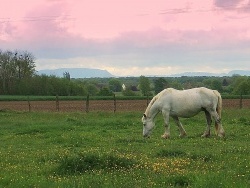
point(98, 73)
point(77, 72)
point(231, 73)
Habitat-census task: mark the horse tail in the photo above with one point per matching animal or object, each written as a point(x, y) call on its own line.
point(219, 104)
point(218, 126)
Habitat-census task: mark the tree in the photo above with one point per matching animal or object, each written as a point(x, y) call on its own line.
point(213, 83)
point(216, 85)
point(133, 88)
point(24, 64)
point(66, 75)
point(15, 68)
point(77, 89)
point(176, 85)
point(160, 84)
point(115, 85)
point(144, 85)
point(92, 89)
point(128, 92)
point(6, 70)
point(241, 85)
point(225, 82)
point(105, 92)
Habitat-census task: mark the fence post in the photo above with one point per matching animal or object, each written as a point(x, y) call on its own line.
point(114, 104)
point(57, 103)
point(29, 104)
point(87, 104)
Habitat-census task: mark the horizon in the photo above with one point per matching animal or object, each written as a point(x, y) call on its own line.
point(59, 72)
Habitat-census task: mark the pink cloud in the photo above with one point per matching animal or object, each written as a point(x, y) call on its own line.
point(227, 4)
point(59, 20)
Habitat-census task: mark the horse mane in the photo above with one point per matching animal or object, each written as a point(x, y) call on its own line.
point(155, 98)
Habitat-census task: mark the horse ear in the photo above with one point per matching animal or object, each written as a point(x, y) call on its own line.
point(144, 115)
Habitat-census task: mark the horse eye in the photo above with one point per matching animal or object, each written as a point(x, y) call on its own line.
point(144, 124)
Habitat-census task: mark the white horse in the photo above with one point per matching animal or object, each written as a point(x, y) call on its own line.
point(184, 103)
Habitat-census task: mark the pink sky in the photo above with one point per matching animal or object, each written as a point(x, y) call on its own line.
point(130, 37)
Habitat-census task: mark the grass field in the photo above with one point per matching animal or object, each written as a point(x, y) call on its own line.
point(103, 149)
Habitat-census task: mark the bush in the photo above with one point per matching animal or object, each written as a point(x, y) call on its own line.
point(105, 92)
point(128, 92)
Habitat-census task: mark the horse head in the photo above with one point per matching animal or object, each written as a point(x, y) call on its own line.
point(148, 125)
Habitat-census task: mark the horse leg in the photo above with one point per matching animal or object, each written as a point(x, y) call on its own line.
point(218, 126)
point(219, 129)
point(209, 122)
point(182, 130)
point(166, 124)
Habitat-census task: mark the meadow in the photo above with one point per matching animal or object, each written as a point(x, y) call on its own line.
point(105, 149)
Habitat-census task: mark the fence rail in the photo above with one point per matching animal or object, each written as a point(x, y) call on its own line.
point(88, 105)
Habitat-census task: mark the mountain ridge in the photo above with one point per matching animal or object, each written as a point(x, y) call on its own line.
point(99, 73)
point(77, 72)
point(230, 73)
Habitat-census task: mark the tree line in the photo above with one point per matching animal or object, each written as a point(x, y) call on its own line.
point(18, 76)
point(16, 68)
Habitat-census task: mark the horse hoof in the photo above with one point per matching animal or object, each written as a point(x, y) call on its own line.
point(182, 135)
point(165, 136)
point(205, 136)
point(221, 135)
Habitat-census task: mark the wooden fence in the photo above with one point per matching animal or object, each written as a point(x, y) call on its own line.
point(88, 105)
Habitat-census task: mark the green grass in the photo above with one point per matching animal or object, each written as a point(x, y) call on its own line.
point(102, 149)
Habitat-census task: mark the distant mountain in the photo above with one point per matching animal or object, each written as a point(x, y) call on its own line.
point(77, 72)
point(98, 73)
point(231, 73)
point(191, 74)
point(239, 72)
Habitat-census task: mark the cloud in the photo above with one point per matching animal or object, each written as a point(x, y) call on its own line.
point(240, 6)
point(154, 52)
point(227, 3)
point(6, 30)
point(128, 40)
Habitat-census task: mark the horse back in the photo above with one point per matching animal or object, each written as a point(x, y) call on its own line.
point(189, 102)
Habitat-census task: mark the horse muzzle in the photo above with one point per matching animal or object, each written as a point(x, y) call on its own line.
point(146, 135)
